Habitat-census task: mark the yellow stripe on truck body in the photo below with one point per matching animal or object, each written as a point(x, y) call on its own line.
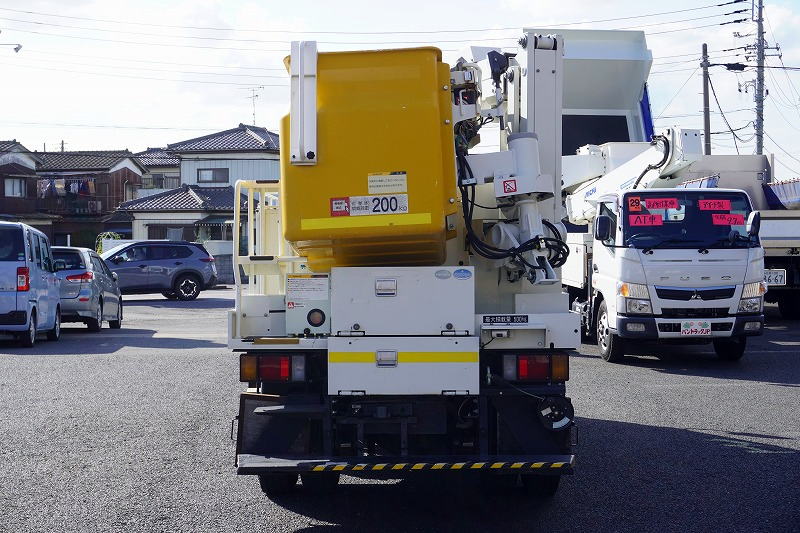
point(403, 365)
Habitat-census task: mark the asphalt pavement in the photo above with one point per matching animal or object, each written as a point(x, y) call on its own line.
point(128, 430)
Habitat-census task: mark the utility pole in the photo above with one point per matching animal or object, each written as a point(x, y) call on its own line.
point(706, 109)
point(760, 79)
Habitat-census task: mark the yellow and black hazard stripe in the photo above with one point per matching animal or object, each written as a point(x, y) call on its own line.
point(478, 465)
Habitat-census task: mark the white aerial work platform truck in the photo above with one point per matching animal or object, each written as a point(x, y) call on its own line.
point(399, 306)
point(663, 261)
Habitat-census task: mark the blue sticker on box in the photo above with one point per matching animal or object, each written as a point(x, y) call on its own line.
point(462, 273)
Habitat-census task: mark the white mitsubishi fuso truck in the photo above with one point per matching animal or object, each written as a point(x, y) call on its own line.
point(399, 305)
point(663, 261)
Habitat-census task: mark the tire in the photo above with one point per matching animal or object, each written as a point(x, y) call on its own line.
point(612, 347)
point(541, 487)
point(730, 349)
point(96, 323)
point(320, 482)
point(116, 324)
point(276, 484)
point(169, 295)
point(55, 333)
point(788, 306)
point(28, 339)
point(187, 287)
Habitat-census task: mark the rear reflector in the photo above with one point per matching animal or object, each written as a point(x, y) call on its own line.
point(272, 367)
point(23, 279)
point(553, 367)
point(560, 369)
point(80, 278)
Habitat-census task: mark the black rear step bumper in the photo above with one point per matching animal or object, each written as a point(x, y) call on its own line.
point(248, 464)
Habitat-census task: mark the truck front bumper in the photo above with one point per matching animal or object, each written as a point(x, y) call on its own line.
point(529, 464)
point(670, 328)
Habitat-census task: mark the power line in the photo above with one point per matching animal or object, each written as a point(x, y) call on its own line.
point(683, 20)
point(59, 62)
point(106, 58)
point(104, 126)
point(722, 114)
point(307, 32)
point(113, 75)
point(780, 147)
point(737, 21)
point(678, 92)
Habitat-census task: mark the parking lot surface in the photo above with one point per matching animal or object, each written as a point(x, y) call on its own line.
point(128, 430)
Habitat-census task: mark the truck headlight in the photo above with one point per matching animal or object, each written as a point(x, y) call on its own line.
point(752, 290)
point(750, 305)
point(638, 306)
point(633, 290)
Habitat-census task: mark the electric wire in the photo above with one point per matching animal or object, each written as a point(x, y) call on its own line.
point(722, 114)
point(678, 92)
point(304, 32)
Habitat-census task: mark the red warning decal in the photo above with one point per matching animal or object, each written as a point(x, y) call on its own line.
point(634, 203)
point(340, 207)
point(727, 219)
point(714, 205)
point(509, 186)
point(661, 203)
point(645, 220)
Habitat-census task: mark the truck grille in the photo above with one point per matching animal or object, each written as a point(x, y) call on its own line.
point(703, 312)
point(686, 294)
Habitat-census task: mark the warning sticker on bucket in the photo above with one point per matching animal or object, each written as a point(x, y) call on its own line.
point(387, 182)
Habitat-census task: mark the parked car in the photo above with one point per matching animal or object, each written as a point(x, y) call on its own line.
point(176, 269)
point(89, 290)
point(29, 287)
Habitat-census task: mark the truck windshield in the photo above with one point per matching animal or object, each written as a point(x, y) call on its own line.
point(11, 245)
point(680, 219)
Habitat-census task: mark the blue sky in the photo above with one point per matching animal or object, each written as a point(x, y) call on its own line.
point(173, 79)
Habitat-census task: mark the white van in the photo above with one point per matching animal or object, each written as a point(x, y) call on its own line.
point(29, 287)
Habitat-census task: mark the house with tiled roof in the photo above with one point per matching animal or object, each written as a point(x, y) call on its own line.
point(162, 171)
point(84, 188)
point(18, 187)
point(243, 152)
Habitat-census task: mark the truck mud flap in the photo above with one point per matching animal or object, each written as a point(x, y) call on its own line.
point(539, 464)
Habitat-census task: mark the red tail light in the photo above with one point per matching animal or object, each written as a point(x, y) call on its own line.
point(533, 367)
point(23, 279)
point(274, 368)
point(207, 259)
point(80, 278)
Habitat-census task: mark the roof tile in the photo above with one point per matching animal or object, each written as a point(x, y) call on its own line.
point(157, 157)
point(82, 160)
point(186, 198)
point(242, 138)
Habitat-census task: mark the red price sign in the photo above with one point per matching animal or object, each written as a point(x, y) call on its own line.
point(661, 203)
point(714, 205)
point(727, 219)
point(645, 220)
point(634, 203)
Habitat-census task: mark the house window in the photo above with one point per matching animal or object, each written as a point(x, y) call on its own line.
point(15, 188)
point(172, 182)
point(212, 175)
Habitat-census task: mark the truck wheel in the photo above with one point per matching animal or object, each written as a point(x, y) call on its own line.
point(788, 307)
point(612, 348)
point(187, 287)
point(541, 486)
point(730, 349)
point(28, 339)
point(320, 482)
point(275, 484)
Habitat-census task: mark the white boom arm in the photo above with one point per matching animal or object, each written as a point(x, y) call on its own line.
point(595, 173)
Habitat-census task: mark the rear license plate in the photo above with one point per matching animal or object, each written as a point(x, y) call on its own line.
point(695, 328)
point(775, 276)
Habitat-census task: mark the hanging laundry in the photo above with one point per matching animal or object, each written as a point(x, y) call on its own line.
point(60, 185)
point(44, 186)
point(91, 187)
point(83, 190)
point(73, 187)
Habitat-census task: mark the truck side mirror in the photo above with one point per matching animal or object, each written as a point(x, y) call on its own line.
point(753, 223)
point(602, 228)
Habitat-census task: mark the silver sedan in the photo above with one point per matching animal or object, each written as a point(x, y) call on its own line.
point(89, 290)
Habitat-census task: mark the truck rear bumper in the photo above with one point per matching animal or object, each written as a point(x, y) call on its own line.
point(529, 464)
point(670, 328)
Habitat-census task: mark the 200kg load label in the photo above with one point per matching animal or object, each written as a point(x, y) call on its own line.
point(379, 204)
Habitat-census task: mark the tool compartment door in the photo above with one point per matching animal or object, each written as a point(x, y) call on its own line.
point(403, 365)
